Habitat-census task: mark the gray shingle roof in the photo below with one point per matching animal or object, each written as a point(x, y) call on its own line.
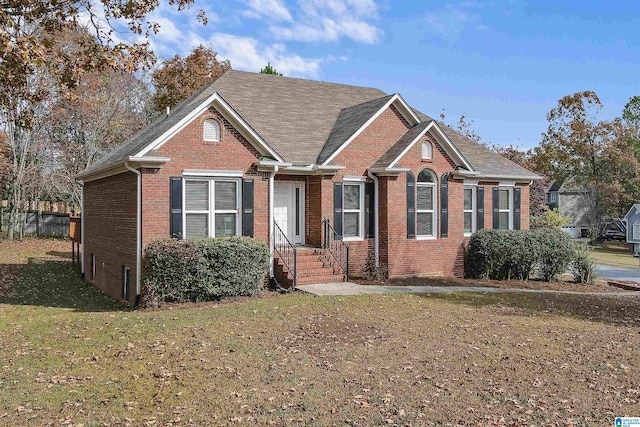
point(349, 121)
point(304, 121)
point(398, 147)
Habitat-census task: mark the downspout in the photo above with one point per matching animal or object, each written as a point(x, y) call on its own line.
point(271, 197)
point(376, 224)
point(138, 228)
point(82, 231)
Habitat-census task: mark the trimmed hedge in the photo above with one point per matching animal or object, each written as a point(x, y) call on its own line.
point(202, 270)
point(518, 254)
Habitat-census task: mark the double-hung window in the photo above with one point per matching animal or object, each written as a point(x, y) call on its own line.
point(353, 212)
point(636, 230)
point(469, 210)
point(505, 209)
point(211, 207)
point(426, 205)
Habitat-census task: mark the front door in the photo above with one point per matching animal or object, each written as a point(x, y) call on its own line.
point(288, 209)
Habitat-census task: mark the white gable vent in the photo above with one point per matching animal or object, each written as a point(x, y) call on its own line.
point(211, 130)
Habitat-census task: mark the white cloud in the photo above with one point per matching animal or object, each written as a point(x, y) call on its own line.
point(273, 9)
point(450, 21)
point(331, 20)
point(246, 53)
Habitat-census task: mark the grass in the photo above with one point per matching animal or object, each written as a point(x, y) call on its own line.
point(70, 355)
point(614, 254)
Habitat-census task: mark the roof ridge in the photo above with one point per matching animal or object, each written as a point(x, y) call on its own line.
point(301, 79)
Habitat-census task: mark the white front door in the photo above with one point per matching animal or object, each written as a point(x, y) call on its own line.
point(288, 209)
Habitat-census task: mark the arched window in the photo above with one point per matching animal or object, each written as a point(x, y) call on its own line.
point(211, 131)
point(427, 150)
point(426, 204)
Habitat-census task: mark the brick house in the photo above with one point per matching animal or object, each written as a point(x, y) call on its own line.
point(316, 169)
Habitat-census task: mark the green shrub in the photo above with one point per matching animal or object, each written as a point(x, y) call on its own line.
point(517, 254)
point(203, 270)
point(582, 267)
point(555, 252)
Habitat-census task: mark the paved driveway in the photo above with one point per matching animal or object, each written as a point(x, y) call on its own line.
point(618, 273)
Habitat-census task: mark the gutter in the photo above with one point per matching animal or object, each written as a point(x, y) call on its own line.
point(138, 229)
point(376, 235)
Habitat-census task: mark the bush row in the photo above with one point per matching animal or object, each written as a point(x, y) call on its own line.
point(203, 270)
point(520, 254)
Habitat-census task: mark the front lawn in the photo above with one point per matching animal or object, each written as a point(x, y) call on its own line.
point(489, 359)
point(615, 254)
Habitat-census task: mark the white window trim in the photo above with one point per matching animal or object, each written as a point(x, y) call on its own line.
point(433, 211)
point(636, 230)
point(429, 155)
point(473, 211)
point(219, 130)
point(553, 197)
point(510, 210)
point(211, 212)
point(360, 184)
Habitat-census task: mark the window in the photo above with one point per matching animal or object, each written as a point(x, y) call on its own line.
point(211, 131)
point(504, 209)
point(211, 207)
point(426, 204)
point(553, 197)
point(469, 210)
point(353, 201)
point(636, 230)
point(427, 150)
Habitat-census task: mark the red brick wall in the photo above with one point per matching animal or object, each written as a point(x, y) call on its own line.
point(110, 232)
point(187, 150)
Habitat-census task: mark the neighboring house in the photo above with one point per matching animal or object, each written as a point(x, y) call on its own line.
point(575, 202)
point(306, 165)
point(632, 219)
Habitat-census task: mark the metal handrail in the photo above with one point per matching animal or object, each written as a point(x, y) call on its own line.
point(286, 251)
point(334, 244)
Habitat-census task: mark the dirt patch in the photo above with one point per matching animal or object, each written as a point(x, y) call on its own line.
point(501, 284)
point(322, 334)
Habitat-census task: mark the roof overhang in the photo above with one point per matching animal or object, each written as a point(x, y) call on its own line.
point(397, 101)
point(313, 169)
point(216, 101)
point(388, 171)
point(444, 141)
point(635, 207)
point(478, 176)
point(148, 162)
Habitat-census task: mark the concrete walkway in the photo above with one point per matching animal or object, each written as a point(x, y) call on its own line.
point(349, 288)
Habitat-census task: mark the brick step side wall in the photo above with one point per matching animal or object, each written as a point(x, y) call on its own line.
point(313, 266)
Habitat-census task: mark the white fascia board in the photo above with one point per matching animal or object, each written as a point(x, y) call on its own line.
point(354, 178)
point(507, 183)
point(406, 150)
point(311, 170)
point(388, 171)
point(220, 173)
point(149, 159)
point(402, 106)
point(450, 146)
point(228, 113)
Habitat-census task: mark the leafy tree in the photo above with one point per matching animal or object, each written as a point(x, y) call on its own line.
point(549, 218)
point(102, 112)
point(464, 127)
point(179, 77)
point(268, 69)
point(594, 153)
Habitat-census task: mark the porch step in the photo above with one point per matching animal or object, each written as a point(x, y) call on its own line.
point(313, 266)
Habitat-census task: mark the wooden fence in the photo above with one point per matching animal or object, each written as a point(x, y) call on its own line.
point(41, 224)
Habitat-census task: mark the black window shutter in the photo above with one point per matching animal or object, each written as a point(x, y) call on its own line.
point(480, 208)
point(369, 209)
point(337, 208)
point(247, 207)
point(517, 196)
point(411, 206)
point(444, 205)
point(496, 217)
point(175, 207)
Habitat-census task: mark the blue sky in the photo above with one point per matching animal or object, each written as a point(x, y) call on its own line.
point(503, 64)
